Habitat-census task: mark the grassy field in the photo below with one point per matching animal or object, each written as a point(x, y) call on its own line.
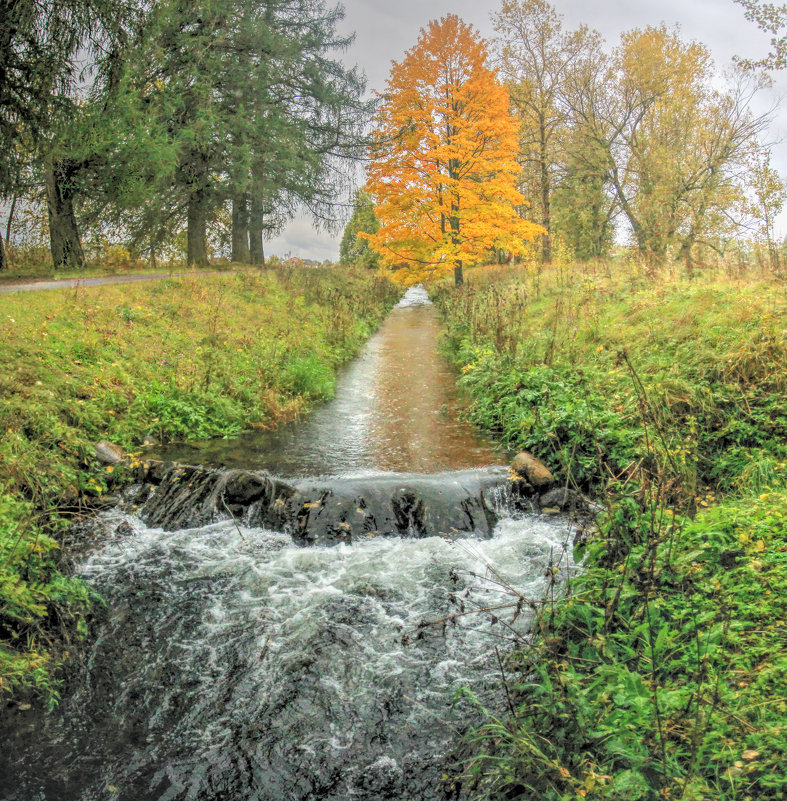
point(663, 674)
point(186, 358)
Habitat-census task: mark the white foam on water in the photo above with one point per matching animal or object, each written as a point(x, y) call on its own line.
point(234, 664)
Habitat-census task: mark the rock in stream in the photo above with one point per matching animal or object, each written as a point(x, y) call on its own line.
point(330, 510)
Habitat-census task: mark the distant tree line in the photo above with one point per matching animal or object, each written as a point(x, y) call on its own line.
point(151, 118)
point(646, 138)
point(151, 121)
point(648, 134)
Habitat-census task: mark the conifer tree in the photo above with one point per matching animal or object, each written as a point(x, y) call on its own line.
point(256, 109)
point(212, 102)
point(39, 43)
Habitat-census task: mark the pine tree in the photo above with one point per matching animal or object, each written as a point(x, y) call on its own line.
point(256, 109)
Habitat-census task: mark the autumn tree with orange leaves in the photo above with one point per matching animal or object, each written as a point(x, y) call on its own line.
point(444, 168)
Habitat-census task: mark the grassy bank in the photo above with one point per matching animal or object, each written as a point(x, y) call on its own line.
point(663, 675)
point(187, 358)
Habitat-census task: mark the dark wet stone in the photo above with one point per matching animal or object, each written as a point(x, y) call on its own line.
point(156, 470)
point(332, 510)
point(245, 488)
point(124, 530)
point(569, 502)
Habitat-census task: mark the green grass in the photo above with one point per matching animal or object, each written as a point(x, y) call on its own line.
point(186, 358)
point(563, 363)
point(662, 674)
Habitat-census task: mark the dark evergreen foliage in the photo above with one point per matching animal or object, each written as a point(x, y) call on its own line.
point(40, 47)
point(187, 108)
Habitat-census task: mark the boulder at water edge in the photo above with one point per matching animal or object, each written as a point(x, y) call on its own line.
point(110, 454)
point(532, 470)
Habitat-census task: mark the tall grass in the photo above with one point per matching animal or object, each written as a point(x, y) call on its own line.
point(662, 675)
point(185, 358)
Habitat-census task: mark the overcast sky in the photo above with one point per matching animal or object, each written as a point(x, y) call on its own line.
point(385, 29)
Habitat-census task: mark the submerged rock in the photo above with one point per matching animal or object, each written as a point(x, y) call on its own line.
point(331, 510)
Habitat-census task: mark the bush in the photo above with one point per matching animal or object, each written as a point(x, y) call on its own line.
point(661, 674)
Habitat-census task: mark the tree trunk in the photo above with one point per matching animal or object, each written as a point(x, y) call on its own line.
point(255, 233)
point(3, 260)
point(546, 199)
point(459, 277)
point(241, 252)
point(196, 237)
point(10, 224)
point(256, 251)
point(64, 238)
point(776, 265)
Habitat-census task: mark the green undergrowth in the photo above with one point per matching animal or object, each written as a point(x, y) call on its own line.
point(662, 672)
point(570, 363)
point(185, 358)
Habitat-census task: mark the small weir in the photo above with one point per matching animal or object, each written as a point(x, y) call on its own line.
point(299, 623)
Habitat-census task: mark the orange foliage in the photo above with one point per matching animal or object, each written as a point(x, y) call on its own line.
point(444, 167)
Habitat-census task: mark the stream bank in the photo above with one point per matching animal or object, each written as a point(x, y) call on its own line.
point(176, 358)
point(663, 674)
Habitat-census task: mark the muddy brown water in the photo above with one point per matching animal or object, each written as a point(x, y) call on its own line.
point(396, 409)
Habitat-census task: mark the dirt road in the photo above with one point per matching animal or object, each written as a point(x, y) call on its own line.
point(99, 280)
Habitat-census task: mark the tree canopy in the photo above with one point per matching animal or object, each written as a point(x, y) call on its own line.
point(771, 18)
point(203, 105)
point(647, 134)
point(444, 169)
point(202, 127)
point(39, 46)
point(354, 249)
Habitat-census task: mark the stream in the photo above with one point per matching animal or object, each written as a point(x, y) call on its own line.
point(321, 658)
point(396, 409)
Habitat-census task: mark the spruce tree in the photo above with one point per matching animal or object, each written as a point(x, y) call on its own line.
point(256, 110)
point(39, 43)
point(356, 250)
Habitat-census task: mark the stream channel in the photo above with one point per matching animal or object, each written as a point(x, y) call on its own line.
point(293, 651)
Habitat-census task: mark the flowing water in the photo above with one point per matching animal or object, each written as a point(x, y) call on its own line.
point(231, 663)
point(396, 409)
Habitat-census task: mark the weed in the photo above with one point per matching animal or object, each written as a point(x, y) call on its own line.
point(662, 674)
